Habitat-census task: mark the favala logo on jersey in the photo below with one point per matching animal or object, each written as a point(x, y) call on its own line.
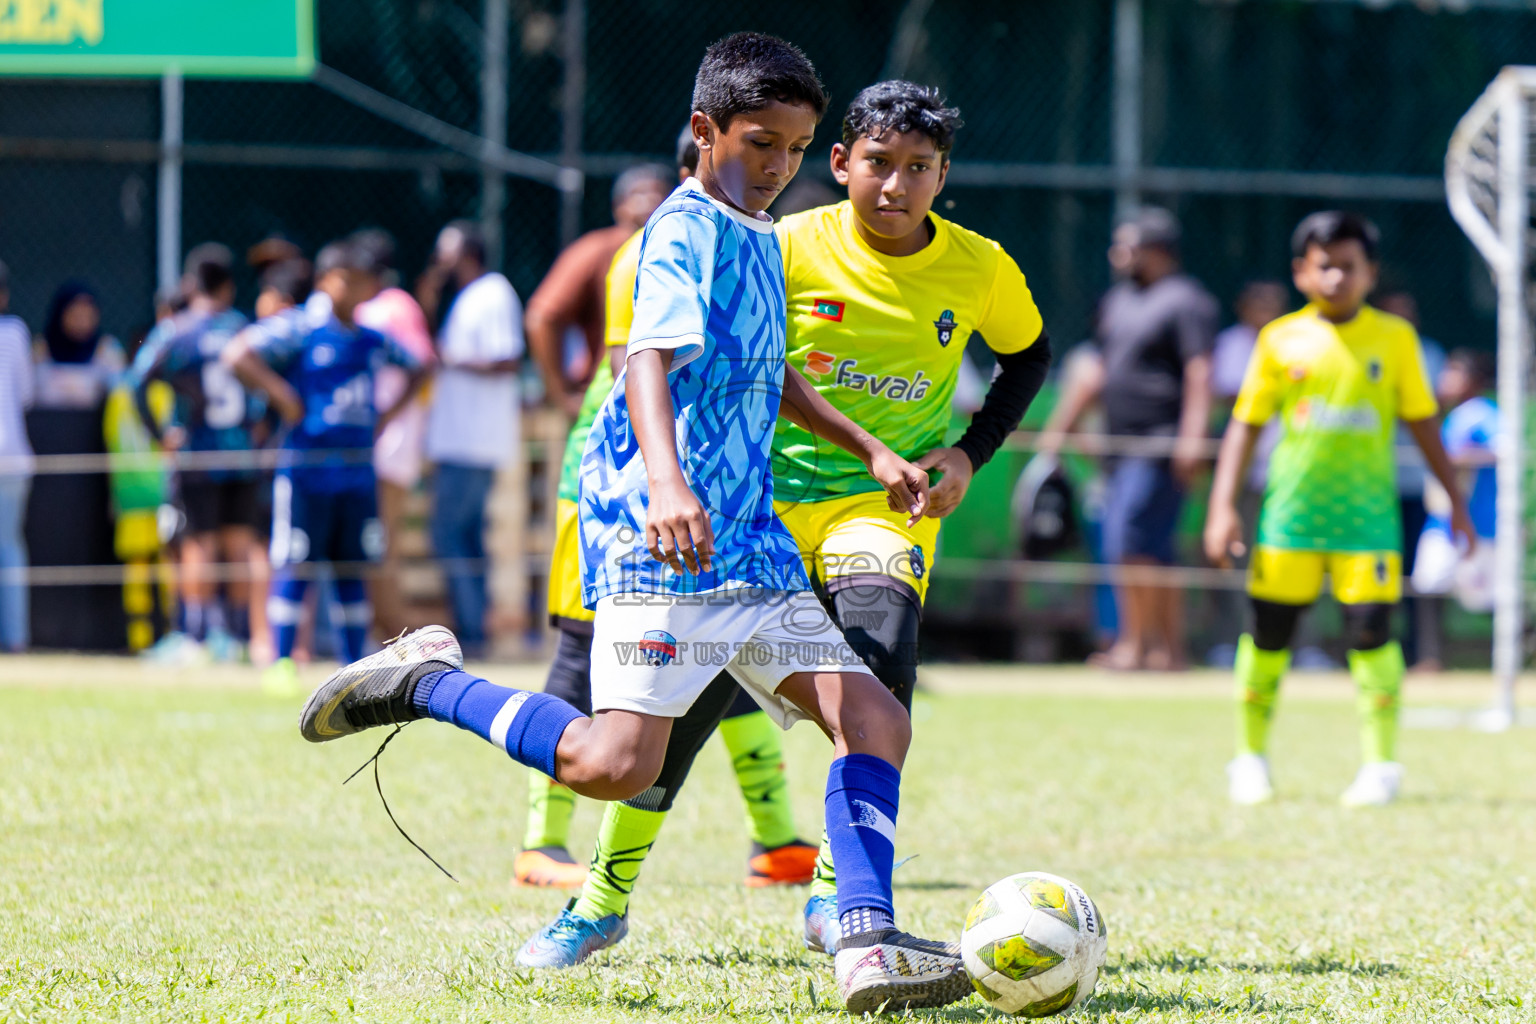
point(945, 325)
point(818, 363)
point(888, 385)
point(1317, 414)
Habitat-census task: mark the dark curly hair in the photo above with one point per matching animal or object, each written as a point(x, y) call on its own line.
point(901, 107)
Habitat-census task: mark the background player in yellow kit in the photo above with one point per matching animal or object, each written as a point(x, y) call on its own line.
point(777, 855)
point(883, 295)
point(1339, 373)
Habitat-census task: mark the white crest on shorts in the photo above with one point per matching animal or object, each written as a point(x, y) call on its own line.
point(873, 817)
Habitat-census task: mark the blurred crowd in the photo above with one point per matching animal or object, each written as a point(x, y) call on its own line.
point(1159, 370)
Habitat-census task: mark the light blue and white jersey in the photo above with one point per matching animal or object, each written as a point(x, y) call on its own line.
point(1472, 428)
point(710, 287)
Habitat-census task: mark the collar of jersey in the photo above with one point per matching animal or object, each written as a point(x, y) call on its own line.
point(894, 264)
point(762, 227)
point(1360, 318)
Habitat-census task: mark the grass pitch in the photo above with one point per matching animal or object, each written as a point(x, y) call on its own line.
point(170, 850)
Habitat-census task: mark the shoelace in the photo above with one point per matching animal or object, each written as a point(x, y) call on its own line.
point(377, 785)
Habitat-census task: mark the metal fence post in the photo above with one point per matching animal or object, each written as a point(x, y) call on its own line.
point(573, 102)
point(168, 207)
point(493, 126)
point(1125, 143)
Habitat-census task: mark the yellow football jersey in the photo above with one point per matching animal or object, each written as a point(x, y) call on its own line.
point(1339, 390)
point(881, 337)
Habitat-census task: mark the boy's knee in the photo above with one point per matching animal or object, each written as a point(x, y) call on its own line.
point(1367, 626)
point(876, 722)
point(612, 775)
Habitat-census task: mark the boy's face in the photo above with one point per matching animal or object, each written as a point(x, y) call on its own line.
point(749, 163)
point(349, 289)
point(892, 181)
point(271, 301)
point(1336, 277)
point(1457, 384)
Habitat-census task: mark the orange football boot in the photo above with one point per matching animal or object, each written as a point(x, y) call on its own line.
point(790, 864)
point(548, 867)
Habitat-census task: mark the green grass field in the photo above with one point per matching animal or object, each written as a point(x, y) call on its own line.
point(170, 850)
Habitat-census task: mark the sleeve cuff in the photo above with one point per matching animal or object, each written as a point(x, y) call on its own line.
point(685, 348)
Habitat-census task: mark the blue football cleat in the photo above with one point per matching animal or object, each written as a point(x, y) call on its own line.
point(823, 928)
point(568, 940)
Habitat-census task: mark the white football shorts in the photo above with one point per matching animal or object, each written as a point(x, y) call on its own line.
point(655, 653)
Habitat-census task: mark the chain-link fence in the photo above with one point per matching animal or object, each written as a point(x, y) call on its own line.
point(1240, 115)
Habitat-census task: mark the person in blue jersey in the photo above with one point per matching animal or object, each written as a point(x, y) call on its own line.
point(212, 414)
point(686, 565)
point(318, 373)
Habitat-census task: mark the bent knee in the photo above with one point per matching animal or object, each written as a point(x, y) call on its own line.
point(614, 776)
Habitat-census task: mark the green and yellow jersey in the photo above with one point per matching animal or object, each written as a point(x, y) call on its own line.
point(881, 338)
point(1338, 389)
point(619, 312)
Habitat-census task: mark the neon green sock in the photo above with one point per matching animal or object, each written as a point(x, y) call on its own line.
point(1379, 679)
point(623, 843)
point(1258, 680)
point(824, 881)
point(757, 754)
point(550, 806)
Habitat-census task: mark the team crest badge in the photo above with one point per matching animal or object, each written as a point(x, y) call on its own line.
point(945, 325)
point(658, 647)
point(915, 555)
point(1373, 371)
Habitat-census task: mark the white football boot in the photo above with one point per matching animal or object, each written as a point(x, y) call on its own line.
point(1248, 780)
point(1376, 785)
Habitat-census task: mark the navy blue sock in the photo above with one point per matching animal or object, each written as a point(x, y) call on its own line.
point(528, 726)
point(862, 794)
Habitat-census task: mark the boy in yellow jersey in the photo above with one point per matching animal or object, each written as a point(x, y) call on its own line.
point(778, 856)
point(1339, 373)
point(883, 296)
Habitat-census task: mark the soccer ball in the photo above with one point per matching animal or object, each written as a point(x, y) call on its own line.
point(1033, 944)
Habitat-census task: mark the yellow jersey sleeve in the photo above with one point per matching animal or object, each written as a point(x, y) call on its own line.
point(1010, 320)
point(619, 293)
point(1415, 399)
point(1263, 385)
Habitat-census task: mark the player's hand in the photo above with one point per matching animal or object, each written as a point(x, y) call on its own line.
point(947, 494)
point(677, 529)
point(1461, 526)
point(1224, 537)
point(172, 439)
point(906, 486)
point(1188, 459)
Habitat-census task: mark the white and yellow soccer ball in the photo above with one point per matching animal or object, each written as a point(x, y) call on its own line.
point(1033, 944)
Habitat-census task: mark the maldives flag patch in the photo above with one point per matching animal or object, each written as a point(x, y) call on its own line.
point(828, 309)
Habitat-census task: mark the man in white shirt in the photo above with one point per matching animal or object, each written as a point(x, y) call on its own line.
point(472, 428)
point(16, 394)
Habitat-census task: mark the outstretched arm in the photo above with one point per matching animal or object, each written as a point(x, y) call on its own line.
point(906, 486)
point(677, 528)
point(1426, 434)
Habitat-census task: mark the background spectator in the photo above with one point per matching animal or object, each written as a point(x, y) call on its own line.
point(399, 449)
point(473, 426)
point(76, 363)
point(571, 294)
point(16, 392)
point(1470, 431)
point(1155, 331)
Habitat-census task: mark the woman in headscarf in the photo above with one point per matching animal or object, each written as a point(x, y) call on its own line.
point(76, 363)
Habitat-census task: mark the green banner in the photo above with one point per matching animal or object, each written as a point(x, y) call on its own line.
point(107, 38)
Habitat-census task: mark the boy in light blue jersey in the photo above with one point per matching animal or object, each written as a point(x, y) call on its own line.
point(687, 566)
point(319, 374)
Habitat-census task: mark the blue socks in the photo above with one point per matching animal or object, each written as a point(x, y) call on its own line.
point(528, 726)
point(862, 794)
